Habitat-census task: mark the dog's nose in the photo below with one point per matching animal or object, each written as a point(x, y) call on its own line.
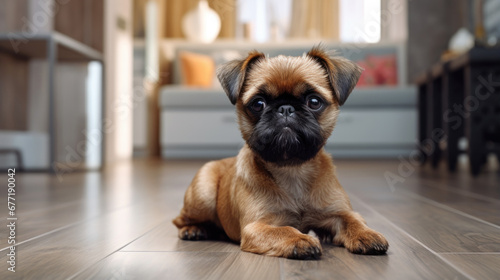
point(286, 110)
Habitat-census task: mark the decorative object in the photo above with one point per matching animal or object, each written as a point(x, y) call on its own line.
point(462, 41)
point(201, 24)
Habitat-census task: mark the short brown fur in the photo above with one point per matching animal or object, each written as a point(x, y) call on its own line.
point(267, 208)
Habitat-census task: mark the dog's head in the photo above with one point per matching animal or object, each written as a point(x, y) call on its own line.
point(287, 106)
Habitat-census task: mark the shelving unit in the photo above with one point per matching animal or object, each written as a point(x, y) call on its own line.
point(54, 47)
point(73, 34)
point(39, 46)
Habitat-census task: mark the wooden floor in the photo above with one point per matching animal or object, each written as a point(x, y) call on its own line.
point(117, 225)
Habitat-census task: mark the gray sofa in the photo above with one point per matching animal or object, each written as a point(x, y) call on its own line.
point(375, 122)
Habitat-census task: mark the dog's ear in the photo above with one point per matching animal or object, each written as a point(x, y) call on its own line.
point(343, 74)
point(233, 74)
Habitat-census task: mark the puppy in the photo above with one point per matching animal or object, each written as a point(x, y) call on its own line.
point(282, 184)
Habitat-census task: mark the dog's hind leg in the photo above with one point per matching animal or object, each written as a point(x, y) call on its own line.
point(198, 217)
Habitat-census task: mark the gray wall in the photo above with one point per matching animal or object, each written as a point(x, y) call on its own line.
point(431, 23)
point(492, 18)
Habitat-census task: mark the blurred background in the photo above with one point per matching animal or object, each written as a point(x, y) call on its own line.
point(86, 83)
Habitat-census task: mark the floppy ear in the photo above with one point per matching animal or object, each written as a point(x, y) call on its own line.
point(343, 74)
point(232, 75)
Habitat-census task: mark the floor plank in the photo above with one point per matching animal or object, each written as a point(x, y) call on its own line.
point(406, 259)
point(486, 184)
point(485, 209)
point(439, 228)
point(164, 238)
point(63, 253)
point(184, 265)
point(336, 261)
point(118, 223)
point(132, 210)
point(479, 266)
point(45, 204)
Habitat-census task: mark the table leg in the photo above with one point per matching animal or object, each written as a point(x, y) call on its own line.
point(453, 123)
point(52, 60)
point(422, 121)
point(473, 76)
point(436, 123)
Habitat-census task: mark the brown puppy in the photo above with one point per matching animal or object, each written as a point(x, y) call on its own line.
point(282, 184)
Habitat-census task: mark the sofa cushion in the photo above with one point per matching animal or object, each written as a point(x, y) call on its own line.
point(197, 69)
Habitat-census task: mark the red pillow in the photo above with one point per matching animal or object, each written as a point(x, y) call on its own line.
point(368, 76)
point(385, 67)
point(378, 70)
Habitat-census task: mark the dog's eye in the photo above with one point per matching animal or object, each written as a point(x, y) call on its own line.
point(258, 105)
point(314, 102)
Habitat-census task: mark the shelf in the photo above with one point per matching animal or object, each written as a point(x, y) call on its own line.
point(476, 55)
point(36, 46)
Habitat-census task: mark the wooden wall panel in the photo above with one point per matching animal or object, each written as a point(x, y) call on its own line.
point(13, 93)
point(97, 25)
point(11, 15)
point(138, 17)
point(70, 18)
point(82, 20)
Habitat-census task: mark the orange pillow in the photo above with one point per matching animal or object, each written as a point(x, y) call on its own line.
point(197, 69)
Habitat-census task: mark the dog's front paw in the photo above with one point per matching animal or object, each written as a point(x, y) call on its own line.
point(367, 242)
point(304, 248)
point(193, 233)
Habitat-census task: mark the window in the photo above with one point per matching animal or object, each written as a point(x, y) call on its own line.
point(360, 21)
point(354, 21)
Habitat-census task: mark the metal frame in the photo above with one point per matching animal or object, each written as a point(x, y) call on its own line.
point(79, 52)
point(51, 58)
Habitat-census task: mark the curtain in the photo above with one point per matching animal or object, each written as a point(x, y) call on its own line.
point(393, 20)
point(315, 19)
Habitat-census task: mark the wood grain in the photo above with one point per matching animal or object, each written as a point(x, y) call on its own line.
point(12, 14)
point(63, 253)
point(46, 204)
point(438, 228)
point(164, 239)
point(339, 264)
point(117, 224)
point(96, 29)
point(71, 20)
point(82, 20)
point(478, 197)
point(13, 93)
point(482, 207)
point(184, 265)
point(479, 266)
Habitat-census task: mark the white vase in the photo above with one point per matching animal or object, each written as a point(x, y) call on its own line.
point(202, 24)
